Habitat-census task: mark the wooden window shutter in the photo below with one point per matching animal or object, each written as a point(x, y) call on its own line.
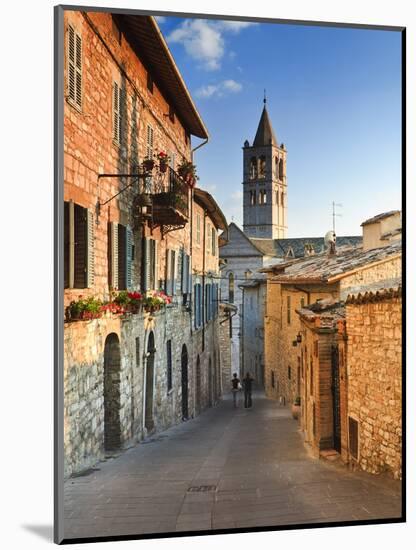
point(116, 112)
point(129, 256)
point(146, 264)
point(155, 255)
point(74, 66)
point(80, 246)
point(149, 142)
point(78, 67)
point(66, 244)
point(90, 249)
point(185, 273)
point(113, 254)
point(168, 286)
point(174, 268)
point(122, 257)
point(71, 63)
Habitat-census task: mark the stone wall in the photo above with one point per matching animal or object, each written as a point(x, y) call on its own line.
point(225, 349)
point(375, 381)
point(280, 330)
point(386, 273)
point(84, 415)
point(252, 332)
point(316, 356)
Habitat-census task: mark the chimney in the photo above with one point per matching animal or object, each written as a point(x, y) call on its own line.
point(330, 241)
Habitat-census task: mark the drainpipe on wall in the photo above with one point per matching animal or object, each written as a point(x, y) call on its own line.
point(203, 280)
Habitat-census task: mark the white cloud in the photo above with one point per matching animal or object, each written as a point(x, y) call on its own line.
point(234, 26)
point(160, 19)
point(218, 90)
point(203, 39)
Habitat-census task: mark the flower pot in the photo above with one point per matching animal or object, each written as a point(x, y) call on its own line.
point(148, 164)
point(163, 167)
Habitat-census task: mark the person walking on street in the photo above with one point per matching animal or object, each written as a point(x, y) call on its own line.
point(235, 388)
point(247, 385)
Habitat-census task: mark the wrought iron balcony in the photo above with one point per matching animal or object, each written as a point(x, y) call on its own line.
point(170, 200)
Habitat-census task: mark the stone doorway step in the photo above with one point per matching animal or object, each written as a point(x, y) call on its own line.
point(330, 454)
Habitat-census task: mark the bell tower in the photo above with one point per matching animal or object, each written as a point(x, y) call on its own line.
point(265, 189)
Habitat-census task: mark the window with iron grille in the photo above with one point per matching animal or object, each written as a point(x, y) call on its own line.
point(214, 241)
point(74, 67)
point(288, 309)
point(273, 380)
point(353, 437)
point(169, 364)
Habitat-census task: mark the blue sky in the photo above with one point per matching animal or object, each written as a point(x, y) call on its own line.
point(334, 98)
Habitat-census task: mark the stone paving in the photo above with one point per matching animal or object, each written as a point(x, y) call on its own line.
point(253, 469)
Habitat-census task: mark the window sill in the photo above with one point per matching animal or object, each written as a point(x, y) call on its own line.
point(74, 105)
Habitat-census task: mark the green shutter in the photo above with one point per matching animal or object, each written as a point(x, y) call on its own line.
point(168, 288)
point(113, 254)
point(146, 264)
point(155, 256)
point(129, 255)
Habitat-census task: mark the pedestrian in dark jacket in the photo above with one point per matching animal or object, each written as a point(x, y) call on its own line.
point(235, 388)
point(247, 385)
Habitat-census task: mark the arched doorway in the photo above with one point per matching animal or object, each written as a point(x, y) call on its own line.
point(198, 385)
point(150, 366)
point(210, 383)
point(184, 378)
point(112, 364)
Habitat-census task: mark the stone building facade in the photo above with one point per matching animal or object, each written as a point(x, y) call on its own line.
point(129, 375)
point(227, 311)
point(374, 325)
point(252, 328)
point(321, 357)
point(292, 285)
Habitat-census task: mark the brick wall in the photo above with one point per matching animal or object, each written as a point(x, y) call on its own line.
point(375, 382)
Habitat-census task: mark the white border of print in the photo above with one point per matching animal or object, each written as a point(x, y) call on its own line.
point(27, 222)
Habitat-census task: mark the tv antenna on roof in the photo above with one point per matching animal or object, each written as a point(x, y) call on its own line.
point(335, 214)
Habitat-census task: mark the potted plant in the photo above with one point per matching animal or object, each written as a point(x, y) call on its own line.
point(187, 172)
point(148, 164)
point(296, 408)
point(163, 161)
point(155, 300)
point(84, 309)
point(129, 302)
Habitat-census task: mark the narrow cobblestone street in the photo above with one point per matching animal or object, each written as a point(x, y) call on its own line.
point(255, 469)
